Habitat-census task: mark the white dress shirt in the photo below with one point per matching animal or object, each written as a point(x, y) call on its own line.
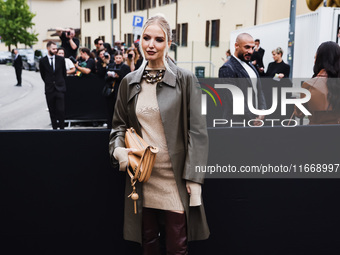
point(252, 76)
point(53, 59)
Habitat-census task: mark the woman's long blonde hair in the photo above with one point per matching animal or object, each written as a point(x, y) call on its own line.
point(160, 20)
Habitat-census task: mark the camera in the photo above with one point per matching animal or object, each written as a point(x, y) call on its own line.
point(68, 33)
point(129, 56)
point(111, 73)
point(106, 55)
point(73, 59)
point(114, 71)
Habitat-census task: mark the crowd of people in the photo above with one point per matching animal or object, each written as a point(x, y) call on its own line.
point(247, 64)
point(162, 103)
point(97, 60)
point(112, 64)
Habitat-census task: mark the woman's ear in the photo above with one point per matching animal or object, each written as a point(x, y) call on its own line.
point(169, 43)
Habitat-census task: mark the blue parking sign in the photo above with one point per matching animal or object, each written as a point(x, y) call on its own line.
point(137, 21)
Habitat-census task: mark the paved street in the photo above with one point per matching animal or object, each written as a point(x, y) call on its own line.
point(22, 107)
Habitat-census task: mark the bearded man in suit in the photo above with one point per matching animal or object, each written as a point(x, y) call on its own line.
point(53, 73)
point(239, 71)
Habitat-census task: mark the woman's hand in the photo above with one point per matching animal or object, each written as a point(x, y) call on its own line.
point(121, 154)
point(281, 75)
point(259, 120)
point(107, 59)
point(298, 113)
point(194, 190)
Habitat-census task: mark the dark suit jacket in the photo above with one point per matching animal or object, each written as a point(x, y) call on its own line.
point(235, 74)
point(258, 56)
point(281, 67)
point(56, 79)
point(17, 63)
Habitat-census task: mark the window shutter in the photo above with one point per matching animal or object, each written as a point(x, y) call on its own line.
point(217, 33)
point(207, 33)
point(178, 32)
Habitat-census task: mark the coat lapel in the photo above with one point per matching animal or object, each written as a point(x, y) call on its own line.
point(241, 71)
point(47, 63)
point(254, 69)
point(57, 62)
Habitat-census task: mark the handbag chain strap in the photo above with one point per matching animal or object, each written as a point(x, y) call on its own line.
point(134, 177)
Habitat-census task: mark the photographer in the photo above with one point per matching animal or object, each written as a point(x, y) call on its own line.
point(104, 59)
point(87, 65)
point(68, 41)
point(116, 71)
point(133, 59)
point(109, 50)
point(99, 46)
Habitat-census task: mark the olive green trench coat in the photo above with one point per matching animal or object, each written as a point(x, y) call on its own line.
point(179, 97)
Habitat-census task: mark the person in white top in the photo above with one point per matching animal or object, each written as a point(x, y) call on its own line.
point(70, 68)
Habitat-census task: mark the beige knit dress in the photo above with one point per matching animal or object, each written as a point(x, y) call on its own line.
point(160, 192)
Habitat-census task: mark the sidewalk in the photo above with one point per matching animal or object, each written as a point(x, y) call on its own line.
point(25, 107)
point(22, 107)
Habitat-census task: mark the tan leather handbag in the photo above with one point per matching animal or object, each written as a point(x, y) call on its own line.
point(141, 161)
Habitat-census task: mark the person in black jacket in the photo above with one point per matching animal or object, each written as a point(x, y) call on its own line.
point(68, 41)
point(277, 76)
point(116, 71)
point(53, 73)
point(257, 57)
point(104, 59)
point(17, 63)
point(86, 64)
point(278, 69)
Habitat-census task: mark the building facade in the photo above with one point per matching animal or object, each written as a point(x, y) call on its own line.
point(201, 29)
point(49, 15)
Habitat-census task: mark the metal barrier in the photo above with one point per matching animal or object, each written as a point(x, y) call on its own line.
point(62, 196)
point(84, 101)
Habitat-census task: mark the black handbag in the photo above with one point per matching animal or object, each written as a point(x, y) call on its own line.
point(107, 91)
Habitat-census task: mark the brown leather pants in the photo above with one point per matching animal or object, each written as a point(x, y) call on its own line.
point(175, 231)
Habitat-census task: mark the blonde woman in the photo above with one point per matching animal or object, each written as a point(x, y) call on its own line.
point(162, 103)
point(278, 69)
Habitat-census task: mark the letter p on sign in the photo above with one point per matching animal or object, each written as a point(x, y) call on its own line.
point(137, 21)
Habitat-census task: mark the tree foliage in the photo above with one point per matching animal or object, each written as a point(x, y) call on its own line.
point(15, 23)
point(314, 4)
